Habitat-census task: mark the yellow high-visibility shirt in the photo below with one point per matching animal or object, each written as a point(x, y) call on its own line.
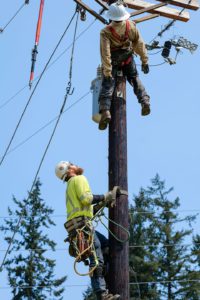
point(78, 198)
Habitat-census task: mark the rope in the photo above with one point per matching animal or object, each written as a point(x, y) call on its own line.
point(91, 246)
point(118, 225)
point(2, 29)
point(28, 102)
point(47, 147)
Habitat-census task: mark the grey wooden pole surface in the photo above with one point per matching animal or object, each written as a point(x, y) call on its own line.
point(118, 263)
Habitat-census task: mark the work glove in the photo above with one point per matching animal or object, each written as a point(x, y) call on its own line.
point(145, 68)
point(108, 198)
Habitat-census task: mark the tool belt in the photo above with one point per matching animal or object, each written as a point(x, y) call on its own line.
point(80, 237)
point(121, 57)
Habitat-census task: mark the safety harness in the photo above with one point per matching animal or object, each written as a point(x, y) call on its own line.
point(120, 57)
point(81, 234)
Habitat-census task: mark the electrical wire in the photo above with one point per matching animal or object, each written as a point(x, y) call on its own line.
point(50, 65)
point(49, 142)
point(28, 102)
point(46, 125)
point(84, 285)
point(131, 246)
point(136, 212)
point(17, 12)
point(165, 281)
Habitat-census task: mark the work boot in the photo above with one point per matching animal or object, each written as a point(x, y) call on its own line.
point(105, 119)
point(145, 106)
point(106, 296)
point(145, 109)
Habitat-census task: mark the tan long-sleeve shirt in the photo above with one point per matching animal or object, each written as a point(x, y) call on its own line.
point(134, 43)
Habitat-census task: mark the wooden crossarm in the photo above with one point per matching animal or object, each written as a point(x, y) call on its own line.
point(162, 11)
point(146, 18)
point(192, 4)
point(141, 11)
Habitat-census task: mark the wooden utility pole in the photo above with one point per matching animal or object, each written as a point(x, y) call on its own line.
point(119, 256)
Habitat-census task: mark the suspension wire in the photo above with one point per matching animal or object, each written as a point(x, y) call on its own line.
point(50, 65)
point(28, 102)
point(2, 29)
point(51, 137)
point(46, 125)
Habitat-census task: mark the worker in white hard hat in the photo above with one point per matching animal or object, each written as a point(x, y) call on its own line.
point(79, 203)
point(118, 42)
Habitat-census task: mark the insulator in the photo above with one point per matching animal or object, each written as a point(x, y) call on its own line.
point(166, 49)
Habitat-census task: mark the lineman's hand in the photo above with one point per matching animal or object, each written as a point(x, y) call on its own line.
point(145, 68)
point(108, 198)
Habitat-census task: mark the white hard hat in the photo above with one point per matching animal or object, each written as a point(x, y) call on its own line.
point(61, 169)
point(117, 12)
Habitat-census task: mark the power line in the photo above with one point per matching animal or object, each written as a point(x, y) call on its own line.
point(17, 12)
point(46, 125)
point(41, 286)
point(28, 102)
point(51, 137)
point(50, 65)
point(164, 211)
point(84, 285)
point(131, 246)
point(136, 212)
point(165, 281)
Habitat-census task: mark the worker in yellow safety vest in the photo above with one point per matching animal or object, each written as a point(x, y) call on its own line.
point(118, 42)
point(79, 203)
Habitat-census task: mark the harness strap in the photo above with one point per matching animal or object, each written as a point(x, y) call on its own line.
point(117, 36)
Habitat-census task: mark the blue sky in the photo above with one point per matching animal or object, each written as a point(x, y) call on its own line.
point(166, 142)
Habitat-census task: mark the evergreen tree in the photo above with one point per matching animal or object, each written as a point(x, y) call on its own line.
point(191, 288)
point(142, 260)
point(164, 255)
point(30, 271)
point(89, 294)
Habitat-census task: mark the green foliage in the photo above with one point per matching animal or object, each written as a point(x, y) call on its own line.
point(30, 271)
point(163, 265)
point(159, 252)
point(89, 295)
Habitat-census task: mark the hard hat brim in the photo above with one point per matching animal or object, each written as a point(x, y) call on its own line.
point(123, 18)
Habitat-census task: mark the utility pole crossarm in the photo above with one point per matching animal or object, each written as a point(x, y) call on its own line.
point(147, 9)
point(146, 18)
point(162, 11)
point(193, 4)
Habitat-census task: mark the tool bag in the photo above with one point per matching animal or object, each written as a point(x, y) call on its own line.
point(80, 238)
point(121, 57)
